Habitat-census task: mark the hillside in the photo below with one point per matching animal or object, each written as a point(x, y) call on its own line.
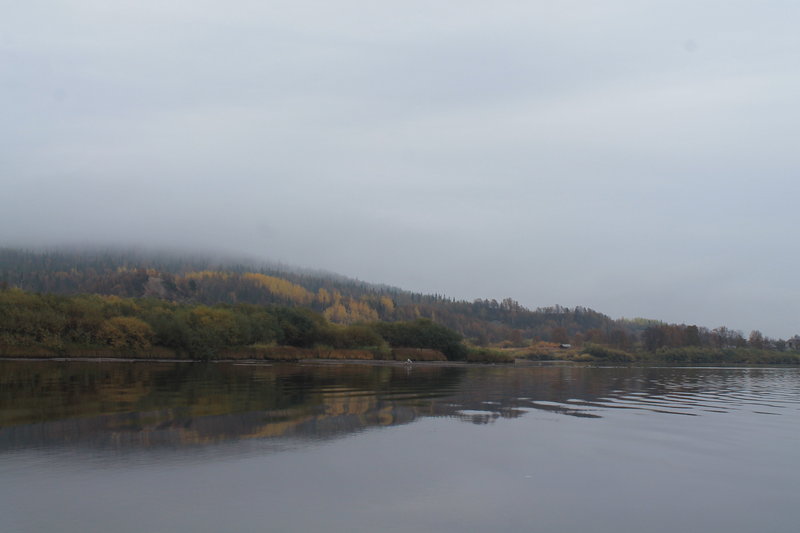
point(197, 280)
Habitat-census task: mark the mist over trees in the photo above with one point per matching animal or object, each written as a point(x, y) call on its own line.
point(238, 303)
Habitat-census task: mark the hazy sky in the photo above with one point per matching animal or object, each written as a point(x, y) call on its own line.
point(637, 157)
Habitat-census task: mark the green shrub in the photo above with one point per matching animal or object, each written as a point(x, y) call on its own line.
point(423, 333)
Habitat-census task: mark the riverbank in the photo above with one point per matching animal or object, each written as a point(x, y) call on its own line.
point(517, 363)
point(245, 355)
point(236, 361)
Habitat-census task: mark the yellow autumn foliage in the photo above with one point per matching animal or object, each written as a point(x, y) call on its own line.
point(337, 314)
point(324, 297)
point(280, 287)
point(387, 304)
point(350, 312)
point(126, 332)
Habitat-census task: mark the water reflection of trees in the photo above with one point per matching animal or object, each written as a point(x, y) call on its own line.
point(135, 405)
point(146, 404)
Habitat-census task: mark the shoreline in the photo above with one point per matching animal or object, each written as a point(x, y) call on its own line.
point(236, 361)
point(518, 363)
point(263, 362)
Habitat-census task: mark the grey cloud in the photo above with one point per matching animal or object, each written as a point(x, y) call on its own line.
point(636, 157)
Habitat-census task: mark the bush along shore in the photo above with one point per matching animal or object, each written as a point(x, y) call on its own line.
point(34, 325)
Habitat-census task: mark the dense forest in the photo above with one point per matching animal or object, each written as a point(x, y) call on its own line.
point(192, 279)
point(90, 325)
point(202, 307)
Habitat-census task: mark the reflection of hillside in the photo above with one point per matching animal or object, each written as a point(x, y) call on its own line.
point(140, 405)
point(143, 405)
point(164, 428)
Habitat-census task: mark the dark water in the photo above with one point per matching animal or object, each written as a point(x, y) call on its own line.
point(143, 447)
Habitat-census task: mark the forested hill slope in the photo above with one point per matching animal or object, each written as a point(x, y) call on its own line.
point(197, 279)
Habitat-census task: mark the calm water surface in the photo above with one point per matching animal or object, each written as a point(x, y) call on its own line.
point(145, 447)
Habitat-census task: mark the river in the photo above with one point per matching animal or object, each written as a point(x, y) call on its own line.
point(173, 447)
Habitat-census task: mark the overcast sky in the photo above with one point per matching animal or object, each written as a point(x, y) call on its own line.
point(637, 157)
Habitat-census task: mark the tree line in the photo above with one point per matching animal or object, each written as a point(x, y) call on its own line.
point(341, 300)
point(198, 281)
point(64, 324)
